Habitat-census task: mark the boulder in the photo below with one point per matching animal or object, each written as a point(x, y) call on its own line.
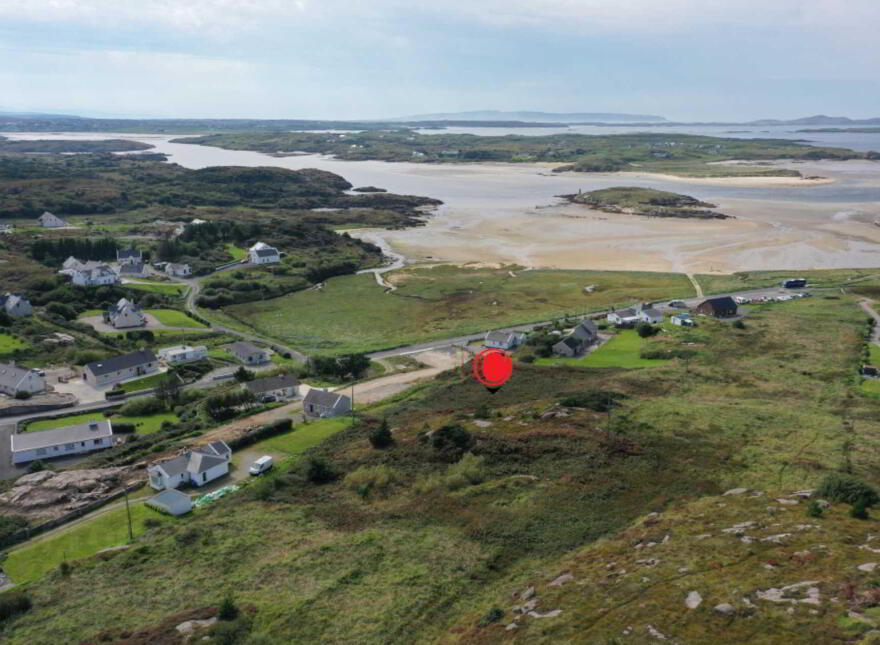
point(693, 600)
point(725, 608)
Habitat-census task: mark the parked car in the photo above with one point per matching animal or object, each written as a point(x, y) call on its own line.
point(261, 465)
point(678, 304)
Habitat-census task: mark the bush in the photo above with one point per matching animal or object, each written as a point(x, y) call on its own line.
point(652, 354)
point(36, 466)
point(598, 400)
point(64, 568)
point(859, 510)
point(319, 471)
point(152, 522)
point(492, 616)
point(646, 330)
point(381, 436)
point(22, 395)
point(368, 480)
point(10, 525)
point(142, 407)
point(264, 432)
point(469, 470)
point(528, 359)
point(451, 440)
point(12, 604)
point(243, 375)
point(847, 489)
point(814, 509)
point(227, 610)
point(739, 324)
point(123, 428)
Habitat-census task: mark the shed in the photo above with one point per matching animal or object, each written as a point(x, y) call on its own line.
point(723, 307)
point(171, 501)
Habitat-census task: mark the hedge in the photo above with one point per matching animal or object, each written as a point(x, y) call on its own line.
point(264, 432)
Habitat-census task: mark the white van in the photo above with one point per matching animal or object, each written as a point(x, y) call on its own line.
point(261, 465)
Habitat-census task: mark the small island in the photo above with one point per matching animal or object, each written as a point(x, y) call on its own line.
point(369, 189)
point(68, 146)
point(647, 202)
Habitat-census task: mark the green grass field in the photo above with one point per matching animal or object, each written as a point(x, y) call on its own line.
point(306, 435)
point(144, 383)
point(620, 351)
point(167, 288)
point(32, 561)
point(744, 280)
point(175, 318)
point(145, 425)
point(236, 252)
point(9, 344)
point(352, 314)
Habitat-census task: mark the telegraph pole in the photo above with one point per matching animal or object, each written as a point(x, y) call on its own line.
point(128, 512)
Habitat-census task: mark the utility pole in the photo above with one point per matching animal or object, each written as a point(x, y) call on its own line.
point(128, 512)
point(352, 402)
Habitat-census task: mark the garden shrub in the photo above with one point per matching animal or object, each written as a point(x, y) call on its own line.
point(846, 488)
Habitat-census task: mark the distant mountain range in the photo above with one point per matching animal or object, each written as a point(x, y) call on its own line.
point(819, 119)
point(543, 117)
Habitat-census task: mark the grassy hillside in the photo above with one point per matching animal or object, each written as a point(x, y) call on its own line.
point(421, 542)
point(645, 201)
point(442, 301)
point(678, 154)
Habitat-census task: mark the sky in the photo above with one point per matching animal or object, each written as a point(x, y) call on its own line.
point(349, 59)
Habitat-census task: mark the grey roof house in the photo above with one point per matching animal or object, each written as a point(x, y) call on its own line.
point(248, 353)
point(16, 305)
point(120, 368)
point(15, 379)
point(321, 403)
point(129, 256)
point(283, 386)
point(61, 442)
point(196, 467)
point(582, 336)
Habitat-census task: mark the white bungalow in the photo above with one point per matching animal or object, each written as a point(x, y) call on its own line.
point(503, 339)
point(183, 353)
point(50, 220)
point(178, 270)
point(16, 305)
point(623, 317)
point(196, 467)
point(61, 442)
point(650, 315)
point(262, 253)
point(125, 314)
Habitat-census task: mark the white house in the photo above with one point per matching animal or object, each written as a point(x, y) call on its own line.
point(5, 228)
point(321, 403)
point(61, 442)
point(650, 315)
point(196, 467)
point(178, 270)
point(284, 386)
point(129, 256)
point(682, 320)
point(262, 253)
point(88, 274)
point(503, 339)
point(132, 270)
point(171, 501)
point(16, 305)
point(14, 379)
point(183, 353)
point(125, 314)
point(120, 368)
point(623, 317)
point(248, 353)
point(48, 220)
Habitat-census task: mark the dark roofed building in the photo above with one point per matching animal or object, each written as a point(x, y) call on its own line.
point(723, 307)
point(120, 368)
point(283, 386)
point(321, 403)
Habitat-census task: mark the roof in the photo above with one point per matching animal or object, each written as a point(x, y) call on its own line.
point(626, 313)
point(722, 303)
point(586, 330)
point(259, 246)
point(324, 398)
point(58, 436)
point(11, 375)
point(682, 315)
point(199, 462)
point(571, 341)
point(218, 448)
point(182, 348)
point(128, 253)
point(650, 311)
point(498, 336)
point(169, 496)
point(171, 266)
point(265, 253)
point(117, 363)
point(269, 383)
point(245, 348)
point(132, 267)
point(174, 466)
point(10, 300)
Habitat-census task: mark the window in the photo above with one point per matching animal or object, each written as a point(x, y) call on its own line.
point(82, 444)
point(68, 446)
point(99, 441)
point(55, 448)
point(41, 451)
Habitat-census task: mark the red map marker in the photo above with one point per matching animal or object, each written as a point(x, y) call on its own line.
point(492, 367)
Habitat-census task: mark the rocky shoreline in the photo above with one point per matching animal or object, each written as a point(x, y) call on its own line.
point(669, 205)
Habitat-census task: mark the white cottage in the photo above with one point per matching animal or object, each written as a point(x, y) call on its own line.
point(196, 467)
point(50, 220)
point(125, 314)
point(61, 442)
point(183, 353)
point(15, 379)
point(16, 305)
point(120, 368)
point(262, 253)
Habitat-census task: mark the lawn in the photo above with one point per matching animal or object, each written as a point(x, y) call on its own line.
point(236, 252)
point(9, 344)
point(306, 435)
point(145, 425)
point(175, 318)
point(31, 561)
point(144, 383)
point(443, 301)
point(167, 288)
point(621, 351)
point(744, 280)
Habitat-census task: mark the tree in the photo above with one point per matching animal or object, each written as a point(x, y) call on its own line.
point(646, 330)
point(168, 390)
point(227, 610)
point(243, 375)
point(319, 471)
point(452, 441)
point(381, 436)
